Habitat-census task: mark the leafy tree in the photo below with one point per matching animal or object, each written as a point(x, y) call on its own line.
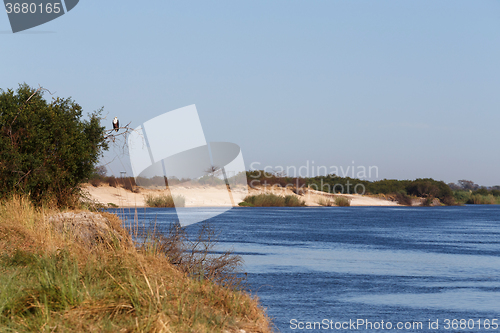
point(430, 188)
point(46, 149)
point(468, 185)
point(481, 191)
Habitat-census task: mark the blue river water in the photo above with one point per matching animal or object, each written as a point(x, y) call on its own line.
point(365, 269)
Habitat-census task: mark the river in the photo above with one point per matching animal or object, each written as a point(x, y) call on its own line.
point(370, 269)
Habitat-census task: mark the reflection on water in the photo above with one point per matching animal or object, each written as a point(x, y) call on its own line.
point(392, 264)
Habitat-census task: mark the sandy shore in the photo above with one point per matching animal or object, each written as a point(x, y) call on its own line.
point(215, 196)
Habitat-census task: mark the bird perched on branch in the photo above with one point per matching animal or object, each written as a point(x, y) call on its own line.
point(116, 124)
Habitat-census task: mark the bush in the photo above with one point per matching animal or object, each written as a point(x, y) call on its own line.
point(403, 199)
point(197, 257)
point(96, 182)
point(46, 149)
point(165, 200)
point(495, 193)
point(265, 200)
point(427, 202)
point(450, 201)
point(129, 184)
point(461, 197)
point(429, 187)
point(293, 201)
point(342, 202)
point(112, 181)
point(481, 191)
point(272, 200)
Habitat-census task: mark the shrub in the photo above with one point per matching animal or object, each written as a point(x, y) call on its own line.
point(342, 201)
point(481, 191)
point(403, 199)
point(197, 257)
point(165, 200)
point(450, 201)
point(461, 197)
point(128, 185)
point(495, 193)
point(46, 149)
point(429, 187)
point(265, 200)
point(293, 201)
point(96, 182)
point(112, 181)
point(272, 200)
point(427, 202)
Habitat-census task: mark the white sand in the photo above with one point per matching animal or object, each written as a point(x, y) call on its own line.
point(216, 196)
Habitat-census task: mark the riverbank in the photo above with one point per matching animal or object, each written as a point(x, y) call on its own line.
point(80, 271)
point(217, 196)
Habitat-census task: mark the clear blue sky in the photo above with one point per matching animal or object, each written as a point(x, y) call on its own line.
point(412, 87)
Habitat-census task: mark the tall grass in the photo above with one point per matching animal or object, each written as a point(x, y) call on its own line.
point(272, 200)
point(478, 199)
point(342, 202)
point(165, 200)
point(323, 201)
point(50, 282)
point(293, 201)
point(465, 197)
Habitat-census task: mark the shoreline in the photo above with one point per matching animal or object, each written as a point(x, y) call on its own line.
point(205, 197)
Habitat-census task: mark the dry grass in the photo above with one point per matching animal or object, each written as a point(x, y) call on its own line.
point(165, 200)
point(323, 201)
point(52, 282)
point(342, 202)
point(272, 200)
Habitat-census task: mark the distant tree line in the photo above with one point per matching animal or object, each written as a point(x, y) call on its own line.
point(465, 192)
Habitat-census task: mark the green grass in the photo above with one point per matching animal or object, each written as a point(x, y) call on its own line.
point(293, 201)
point(465, 197)
point(165, 200)
point(272, 200)
point(478, 199)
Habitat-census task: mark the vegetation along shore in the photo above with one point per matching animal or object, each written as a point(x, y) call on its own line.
point(267, 189)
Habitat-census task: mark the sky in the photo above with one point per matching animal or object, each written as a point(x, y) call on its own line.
point(409, 87)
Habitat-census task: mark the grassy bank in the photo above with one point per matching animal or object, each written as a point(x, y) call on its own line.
point(60, 275)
